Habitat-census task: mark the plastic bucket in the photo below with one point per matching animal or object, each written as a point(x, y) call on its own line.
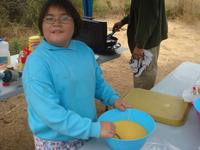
point(4, 53)
point(196, 104)
point(134, 115)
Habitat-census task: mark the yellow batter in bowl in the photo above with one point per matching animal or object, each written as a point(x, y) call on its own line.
point(128, 130)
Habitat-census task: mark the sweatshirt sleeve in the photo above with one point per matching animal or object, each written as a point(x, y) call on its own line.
point(104, 91)
point(148, 13)
point(44, 102)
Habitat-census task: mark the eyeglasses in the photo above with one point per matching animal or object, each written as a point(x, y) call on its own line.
point(62, 19)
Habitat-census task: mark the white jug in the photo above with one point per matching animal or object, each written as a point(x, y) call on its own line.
point(4, 52)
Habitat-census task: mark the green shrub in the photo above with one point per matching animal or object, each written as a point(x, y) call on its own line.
point(3, 16)
point(15, 46)
point(31, 12)
point(78, 5)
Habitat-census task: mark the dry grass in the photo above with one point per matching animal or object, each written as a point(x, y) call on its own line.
point(109, 8)
point(182, 45)
point(187, 9)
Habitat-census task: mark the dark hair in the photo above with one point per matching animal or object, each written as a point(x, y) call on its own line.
point(68, 7)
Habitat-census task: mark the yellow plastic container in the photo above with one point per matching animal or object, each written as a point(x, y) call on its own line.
point(33, 42)
point(163, 108)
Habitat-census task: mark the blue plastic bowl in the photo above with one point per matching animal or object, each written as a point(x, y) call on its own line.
point(135, 115)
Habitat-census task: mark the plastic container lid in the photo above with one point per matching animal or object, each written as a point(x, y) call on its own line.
point(34, 38)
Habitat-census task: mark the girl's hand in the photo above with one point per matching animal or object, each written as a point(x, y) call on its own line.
point(107, 130)
point(121, 105)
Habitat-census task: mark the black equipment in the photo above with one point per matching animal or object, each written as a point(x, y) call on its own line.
point(10, 75)
point(94, 34)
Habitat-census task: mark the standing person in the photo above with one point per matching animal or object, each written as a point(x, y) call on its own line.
point(61, 80)
point(147, 27)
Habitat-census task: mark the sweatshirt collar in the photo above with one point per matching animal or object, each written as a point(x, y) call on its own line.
point(52, 47)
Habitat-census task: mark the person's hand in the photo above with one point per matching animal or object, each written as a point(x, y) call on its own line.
point(107, 130)
point(117, 26)
point(121, 105)
point(138, 53)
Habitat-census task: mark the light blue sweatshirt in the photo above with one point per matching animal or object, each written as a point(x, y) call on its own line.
point(60, 86)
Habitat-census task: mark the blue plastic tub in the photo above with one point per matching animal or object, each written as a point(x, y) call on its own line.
point(196, 104)
point(135, 115)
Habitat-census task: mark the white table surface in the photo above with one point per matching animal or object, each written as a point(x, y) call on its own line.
point(186, 137)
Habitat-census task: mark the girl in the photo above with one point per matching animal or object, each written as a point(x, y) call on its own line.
point(61, 82)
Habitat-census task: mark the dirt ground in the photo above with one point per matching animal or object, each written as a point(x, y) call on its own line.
point(182, 45)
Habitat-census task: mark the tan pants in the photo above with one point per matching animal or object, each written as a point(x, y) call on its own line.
point(147, 79)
